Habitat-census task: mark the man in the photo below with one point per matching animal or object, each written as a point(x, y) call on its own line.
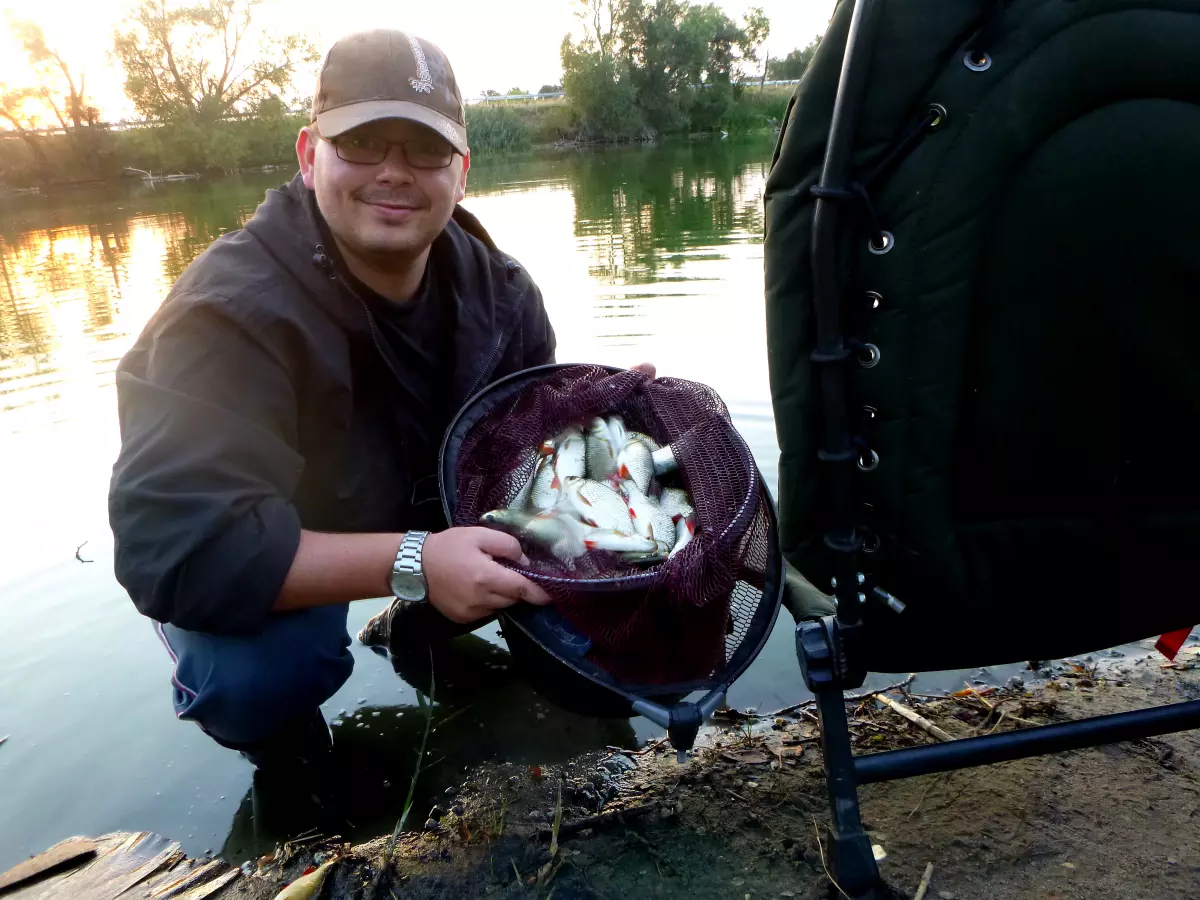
point(282, 412)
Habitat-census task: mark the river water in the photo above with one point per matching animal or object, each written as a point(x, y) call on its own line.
point(641, 254)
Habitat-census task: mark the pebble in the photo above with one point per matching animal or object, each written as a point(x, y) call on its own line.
point(458, 809)
point(1015, 683)
point(946, 895)
point(431, 825)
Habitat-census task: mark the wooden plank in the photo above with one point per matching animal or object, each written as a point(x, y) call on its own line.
point(196, 876)
point(64, 855)
point(123, 861)
point(212, 887)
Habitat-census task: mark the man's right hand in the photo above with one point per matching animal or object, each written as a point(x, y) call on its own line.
point(466, 583)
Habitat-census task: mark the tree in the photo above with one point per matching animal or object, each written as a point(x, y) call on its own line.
point(57, 84)
point(516, 92)
point(550, 89)
point(490, 93)
point(15, 106)
point(793, 66)
point(206, 62)
point(680, 62)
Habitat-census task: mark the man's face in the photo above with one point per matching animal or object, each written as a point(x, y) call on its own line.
point(385, 213)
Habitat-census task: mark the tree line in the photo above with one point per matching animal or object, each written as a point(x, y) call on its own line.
point(215, 91)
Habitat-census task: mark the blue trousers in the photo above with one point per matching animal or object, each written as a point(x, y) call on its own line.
point(243, 688)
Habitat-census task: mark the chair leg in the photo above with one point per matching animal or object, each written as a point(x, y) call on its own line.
point(848, 846)
point(851, 860)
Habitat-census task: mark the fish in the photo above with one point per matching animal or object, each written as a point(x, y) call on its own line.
point(649, 520)
point(616, 427)
point(570, 454)
point(685, 530)
point(546, 491)
point(601, 453)
point(608, 539)
point(664, 460)
point(599, 505)
point(645, 439)
point(634, 463)
point(676, 502)
point(523, 497)
point(553, 530)
point(307, 886)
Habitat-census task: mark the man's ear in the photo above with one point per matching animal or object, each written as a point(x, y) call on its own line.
point(462, 180)
point(306, 154)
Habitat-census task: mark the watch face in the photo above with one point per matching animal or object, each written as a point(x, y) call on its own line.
point(408, 586)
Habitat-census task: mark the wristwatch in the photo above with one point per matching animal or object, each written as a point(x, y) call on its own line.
point(408, 578)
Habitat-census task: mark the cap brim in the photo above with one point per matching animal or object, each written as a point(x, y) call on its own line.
point(341, 119)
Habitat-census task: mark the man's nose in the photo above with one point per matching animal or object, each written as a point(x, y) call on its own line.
point(395, 167)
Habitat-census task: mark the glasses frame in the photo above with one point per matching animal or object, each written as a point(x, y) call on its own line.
point(387, 150)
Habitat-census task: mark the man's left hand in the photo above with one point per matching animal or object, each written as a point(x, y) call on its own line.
point(645, 368)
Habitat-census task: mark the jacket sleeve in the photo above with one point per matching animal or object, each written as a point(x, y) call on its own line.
point(199, 498)
point(540, 342)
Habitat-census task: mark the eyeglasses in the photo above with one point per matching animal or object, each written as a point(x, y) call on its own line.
point(368, 150)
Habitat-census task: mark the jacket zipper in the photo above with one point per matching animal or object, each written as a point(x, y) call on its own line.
point(496, 350)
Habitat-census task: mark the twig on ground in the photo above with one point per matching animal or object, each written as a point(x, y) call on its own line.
point(80, 558)
point(916, 718)
point(600, 820)
point(850, 698)
point(924, 885)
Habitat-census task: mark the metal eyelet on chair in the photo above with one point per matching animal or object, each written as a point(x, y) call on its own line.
point(977, 62)
point(870, 541)
point(939, 116)
point(881, 243)
point(871, 360)
point(876, 299)
point(871, 464)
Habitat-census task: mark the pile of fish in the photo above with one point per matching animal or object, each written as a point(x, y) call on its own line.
point(599, 489)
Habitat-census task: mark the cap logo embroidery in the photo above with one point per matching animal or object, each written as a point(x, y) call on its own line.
point(422, 83)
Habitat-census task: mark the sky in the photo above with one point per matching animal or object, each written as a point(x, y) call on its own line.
point(491, 45)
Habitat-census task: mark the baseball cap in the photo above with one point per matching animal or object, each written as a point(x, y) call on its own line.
point(387, 74)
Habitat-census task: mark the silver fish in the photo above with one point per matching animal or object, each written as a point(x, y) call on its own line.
point(601, 453)
point(664, 460)
point(570, 453)
point(607, 539)
point(634, 463)
point(649, 520)
point(547, 490)
point(522, 498)
point(616, 427)
point(676, 502)
point(685, 530)
point(553, 530)
point(597, 504)
point(645, 439)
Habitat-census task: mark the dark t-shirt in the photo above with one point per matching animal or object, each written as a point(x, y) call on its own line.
point(420, 335)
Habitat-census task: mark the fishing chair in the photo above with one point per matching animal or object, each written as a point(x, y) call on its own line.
point(983, 301)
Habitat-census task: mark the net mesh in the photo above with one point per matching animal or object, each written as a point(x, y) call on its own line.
point(678, 620)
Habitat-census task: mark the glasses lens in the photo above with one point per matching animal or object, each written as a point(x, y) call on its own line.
point(428, 154)
point(367, 150)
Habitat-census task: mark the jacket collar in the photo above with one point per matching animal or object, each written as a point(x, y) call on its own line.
point(472, 274)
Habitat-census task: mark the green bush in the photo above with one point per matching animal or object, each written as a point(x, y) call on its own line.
point(492, 129)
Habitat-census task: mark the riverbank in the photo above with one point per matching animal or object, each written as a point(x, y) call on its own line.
point(97, 156)
point(743, 818)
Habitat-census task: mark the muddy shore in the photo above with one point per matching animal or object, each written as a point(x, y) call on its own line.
point(744, 817)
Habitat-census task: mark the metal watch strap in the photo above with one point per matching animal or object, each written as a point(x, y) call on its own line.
point(408, 557)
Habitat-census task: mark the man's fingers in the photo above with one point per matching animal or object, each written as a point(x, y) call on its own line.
point(498, 544)
point(508, 583)
point(645, 368)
